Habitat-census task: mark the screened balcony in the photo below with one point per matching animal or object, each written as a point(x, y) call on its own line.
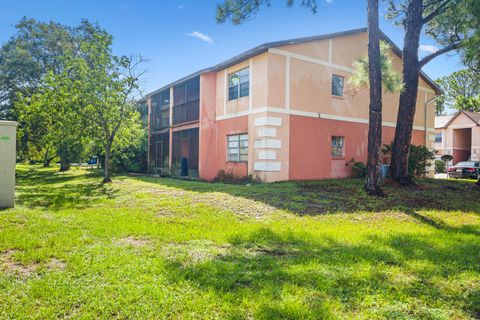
point(186, 99)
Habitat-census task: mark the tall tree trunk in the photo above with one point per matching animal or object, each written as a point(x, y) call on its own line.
point(64, 164)
point(47, 159)
point(408, 98)
point(106, 167)
point(372, 179)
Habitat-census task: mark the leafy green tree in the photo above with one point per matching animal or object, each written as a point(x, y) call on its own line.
point(451, 23)
point(25, 59)
point(106, 85)
point(461, 91)
point(53, 121)
point(89, 97)
point(37, 130)
point(31, 67)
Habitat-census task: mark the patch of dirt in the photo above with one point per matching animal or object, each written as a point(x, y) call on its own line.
point(134, 242)
point(9, 265)
point(222, 201)
point(202, 251)
point(194, 251)
point(56, 264)
point(379, 216)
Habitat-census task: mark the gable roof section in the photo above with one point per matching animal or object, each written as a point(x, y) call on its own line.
point(474, 116)
point(264, 47)
point(440, 121)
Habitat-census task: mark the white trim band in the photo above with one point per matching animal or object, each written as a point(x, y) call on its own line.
point(306, 114)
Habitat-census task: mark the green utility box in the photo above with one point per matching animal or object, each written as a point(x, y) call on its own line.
point(7, 163)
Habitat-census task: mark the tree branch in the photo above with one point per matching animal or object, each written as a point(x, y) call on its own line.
point(436, 12)
point(446, 49)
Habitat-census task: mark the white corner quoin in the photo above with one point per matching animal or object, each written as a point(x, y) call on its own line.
point(7, 163)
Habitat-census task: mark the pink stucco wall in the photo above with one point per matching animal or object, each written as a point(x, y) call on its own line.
point(213, 143)
point(310, 146)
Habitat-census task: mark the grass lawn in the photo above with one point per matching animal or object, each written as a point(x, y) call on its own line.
point(165, 248)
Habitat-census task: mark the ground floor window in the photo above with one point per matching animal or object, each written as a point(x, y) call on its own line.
point(438, 137)
point(237, 147)
point(338, 146)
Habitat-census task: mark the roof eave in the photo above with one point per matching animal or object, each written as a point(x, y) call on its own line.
point(264, 47)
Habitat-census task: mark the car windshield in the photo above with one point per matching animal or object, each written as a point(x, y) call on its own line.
point(465, 164)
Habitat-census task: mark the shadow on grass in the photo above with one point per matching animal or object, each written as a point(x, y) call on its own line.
point(345, 195)
point(274, 268)
point(55, 191)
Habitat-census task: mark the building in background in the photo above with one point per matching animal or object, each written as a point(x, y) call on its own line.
point(459, 136)
point(280, 111)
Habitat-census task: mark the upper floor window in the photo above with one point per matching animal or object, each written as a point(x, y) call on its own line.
point(338, 146)
point(337, 85)
point(438, 137)
point(237, 147)
point(238, 84)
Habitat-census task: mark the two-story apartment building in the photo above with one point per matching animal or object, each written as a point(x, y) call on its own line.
point(280, 111)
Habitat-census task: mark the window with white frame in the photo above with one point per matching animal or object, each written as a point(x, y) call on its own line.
point(238, 84)
point(438, 137)
point(337, 85)
point(237, 147)
point(338, 144)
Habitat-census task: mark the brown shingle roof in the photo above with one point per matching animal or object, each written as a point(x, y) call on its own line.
point(474, 116)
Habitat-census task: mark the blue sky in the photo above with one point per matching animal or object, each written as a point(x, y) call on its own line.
point(179, 37)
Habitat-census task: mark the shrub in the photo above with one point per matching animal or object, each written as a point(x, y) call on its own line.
point(359, 169)
point(440, 166)
point(420, 157)
point(229, 177)
point(132, 157)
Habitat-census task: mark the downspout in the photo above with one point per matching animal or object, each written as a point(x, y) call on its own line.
point(426, 114)
point(426, 122)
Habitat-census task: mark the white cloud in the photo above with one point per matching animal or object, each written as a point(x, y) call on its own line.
point(201, 36)
point(428, 48)
point(328, 1)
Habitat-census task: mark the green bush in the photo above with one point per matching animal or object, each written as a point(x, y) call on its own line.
point(132, 157)
point(440, 166)
point(230, 177)
point(359, 169)
point(420, 158)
